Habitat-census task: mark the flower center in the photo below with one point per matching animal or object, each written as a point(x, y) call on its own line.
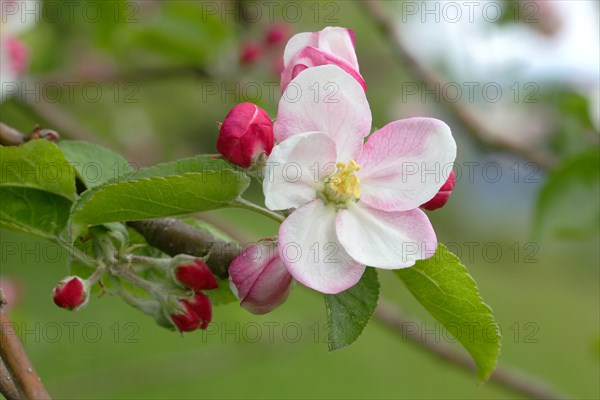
point(343, 185)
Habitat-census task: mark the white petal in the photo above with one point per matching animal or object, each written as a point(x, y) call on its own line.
point(405, 163)
point(295, 169)
point(325, 99)
point(382, 239)
point(312, 253)
point(297, 42)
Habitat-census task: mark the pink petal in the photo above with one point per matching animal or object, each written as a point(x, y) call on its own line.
point(312, 57)
point(297, 42)
point(325, 99)
point(339, 41)
point(295, 169)
point(312, 253)
point(405, 163)
point(382, 239)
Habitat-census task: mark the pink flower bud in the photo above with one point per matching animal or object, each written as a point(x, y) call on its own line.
point(246, 133)
point(442, 196)
point(196, 276)
point(331, 46)
point(197, 313)
point(71, 293)
point(250, 52)
point(259, 278)
point(277, 33)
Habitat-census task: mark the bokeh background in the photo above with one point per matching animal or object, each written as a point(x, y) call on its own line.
point(150, 79)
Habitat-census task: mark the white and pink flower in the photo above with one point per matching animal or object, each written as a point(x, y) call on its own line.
point(355, 204)
point(331, 46)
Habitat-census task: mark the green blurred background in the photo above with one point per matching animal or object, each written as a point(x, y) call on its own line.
point(150, 79)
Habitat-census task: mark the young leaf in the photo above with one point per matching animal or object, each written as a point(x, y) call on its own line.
point(32, 211)
point(38, 164)
point(94, 164)
point(178, 188)
point(349, 312)
point(569, 203)
point(445, 288)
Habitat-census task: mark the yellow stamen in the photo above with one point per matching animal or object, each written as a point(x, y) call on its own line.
point(343, 185)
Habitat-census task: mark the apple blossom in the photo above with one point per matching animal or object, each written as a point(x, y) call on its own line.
point(332, 45)
point(259, 278)
point(246, 133)
point(356, 204)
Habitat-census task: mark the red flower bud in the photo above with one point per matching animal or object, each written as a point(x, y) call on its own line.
point(197, 313)
point(203, 309)
point(196, 276)
point(246, 133)
point(277, 33)
point(188, 320)
point(250, 52)
point(442, 196)
point(71, 293)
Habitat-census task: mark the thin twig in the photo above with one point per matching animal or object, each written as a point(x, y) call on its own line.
point(16, 361)
point(10, 136)
point(516, 381)
point(463, 114)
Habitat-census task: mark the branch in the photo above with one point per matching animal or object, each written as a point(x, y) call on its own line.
point(518, 382)
point(17, 363)
point(463, 114)
point(7, 384)
point(175, 237)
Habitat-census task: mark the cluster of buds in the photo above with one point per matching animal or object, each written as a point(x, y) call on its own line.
point(176, 288)
point(195, 311)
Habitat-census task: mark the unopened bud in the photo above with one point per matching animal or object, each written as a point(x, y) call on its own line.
point(246, 133)
point(193, 313)
point(442, 196)
point(196, 275)
point(71, 293)
point(259, 278)
point(250, 52)
point(277, 33)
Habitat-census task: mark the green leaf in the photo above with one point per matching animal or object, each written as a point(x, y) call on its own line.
point(349, 312)
point(445, 288)
point(222, 294)
point(94, 164)
point(178, 188)
point(32, 211)
point(38, 164)
point(569, 203)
